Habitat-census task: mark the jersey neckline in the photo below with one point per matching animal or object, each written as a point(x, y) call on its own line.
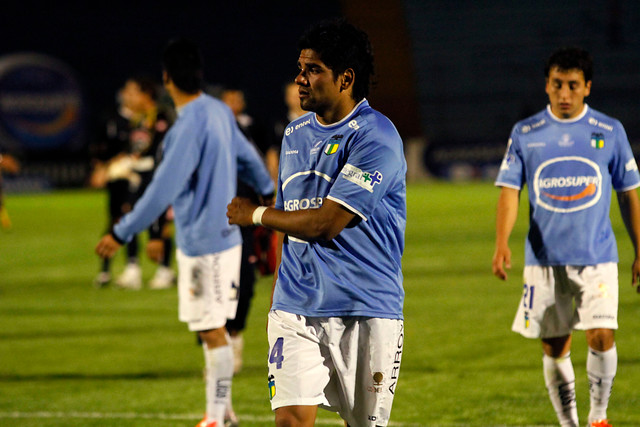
point(341, 122)
point(579, 117)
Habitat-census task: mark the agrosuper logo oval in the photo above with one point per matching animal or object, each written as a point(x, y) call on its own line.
point(567, 184)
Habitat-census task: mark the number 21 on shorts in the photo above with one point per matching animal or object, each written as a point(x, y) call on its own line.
point(527, 297)
point(276, 355)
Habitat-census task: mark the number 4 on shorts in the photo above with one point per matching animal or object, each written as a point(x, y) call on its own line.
point(276, 355)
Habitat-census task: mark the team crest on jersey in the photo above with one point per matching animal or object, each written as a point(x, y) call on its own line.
point(366, 180)
point(567, 184)
point(333, 145)
point(597, 140)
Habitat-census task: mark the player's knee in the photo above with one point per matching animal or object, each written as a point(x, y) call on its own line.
point(600, 339)
point(214, 337)
point(294, 417)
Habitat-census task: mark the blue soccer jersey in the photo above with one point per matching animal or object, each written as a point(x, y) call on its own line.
point(570, 167)
point(358, 163)
point(204, 151)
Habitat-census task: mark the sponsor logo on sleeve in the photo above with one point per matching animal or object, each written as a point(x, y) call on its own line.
point(366, 180)
point(631, 166)
point(509, 158)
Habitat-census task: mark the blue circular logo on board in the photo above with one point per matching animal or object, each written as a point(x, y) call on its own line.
point(41, 102)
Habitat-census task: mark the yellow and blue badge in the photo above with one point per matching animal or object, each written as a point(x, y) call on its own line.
point(597, 140)
point(333, 145)
point(272, 387)
point(331, 148)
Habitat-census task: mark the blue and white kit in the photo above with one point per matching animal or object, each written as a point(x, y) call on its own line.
point(570, 166)
point(358, 163)
point(203, 152)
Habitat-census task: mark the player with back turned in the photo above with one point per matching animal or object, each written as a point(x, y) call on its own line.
point(335, 327)
point(204, 152)
point(570, 156)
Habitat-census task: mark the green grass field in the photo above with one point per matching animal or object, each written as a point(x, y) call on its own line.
point(73, 355)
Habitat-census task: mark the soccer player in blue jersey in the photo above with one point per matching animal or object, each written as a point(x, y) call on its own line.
point(570, 156)
point(203, 153)
point(336, 324)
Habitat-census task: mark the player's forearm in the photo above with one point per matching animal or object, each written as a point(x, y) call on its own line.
point(630, 212)
point(306, 224)
point(506, 215)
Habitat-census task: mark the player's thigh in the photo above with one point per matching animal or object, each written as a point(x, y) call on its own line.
point(545, 308)
point(597, 295)
point(205, 288)
point(299, 370)
point(381, 346)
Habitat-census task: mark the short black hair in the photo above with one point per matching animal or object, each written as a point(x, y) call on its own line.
point(570, 58)
point(182, 61)
point(340, 46)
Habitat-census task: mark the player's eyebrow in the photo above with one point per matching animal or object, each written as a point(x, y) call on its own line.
point(309, 64)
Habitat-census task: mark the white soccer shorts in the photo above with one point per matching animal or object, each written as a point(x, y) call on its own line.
point(348, 365)
point(559, 299)
point(208, 288)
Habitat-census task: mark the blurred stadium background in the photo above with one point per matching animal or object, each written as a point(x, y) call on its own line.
point(453, 75)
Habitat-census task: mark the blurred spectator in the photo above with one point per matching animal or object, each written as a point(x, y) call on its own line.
point(235, 99)
point(125, 163)
point(292, 102)
point(9, 164)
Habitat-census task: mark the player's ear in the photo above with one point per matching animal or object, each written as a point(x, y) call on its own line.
point(348, 76)
point(587, 87)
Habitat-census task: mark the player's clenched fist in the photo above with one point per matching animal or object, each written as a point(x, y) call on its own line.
point(240, 211)
point(107, 246)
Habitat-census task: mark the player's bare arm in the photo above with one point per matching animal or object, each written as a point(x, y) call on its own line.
point(507, 213)
point(324, 223)
point(630, 211)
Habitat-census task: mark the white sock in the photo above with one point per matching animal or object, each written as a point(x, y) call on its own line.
point(601, 369)
point(218, 374)
point(561, 385)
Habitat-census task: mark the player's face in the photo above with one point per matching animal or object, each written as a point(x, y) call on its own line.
point(235, 100)
point(132, 97)
point(567, 90)
point(318, 89)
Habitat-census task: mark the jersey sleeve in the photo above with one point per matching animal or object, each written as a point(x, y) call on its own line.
point(623, 167)
point(180, 160)
point(372, 166)
point(511, 172)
